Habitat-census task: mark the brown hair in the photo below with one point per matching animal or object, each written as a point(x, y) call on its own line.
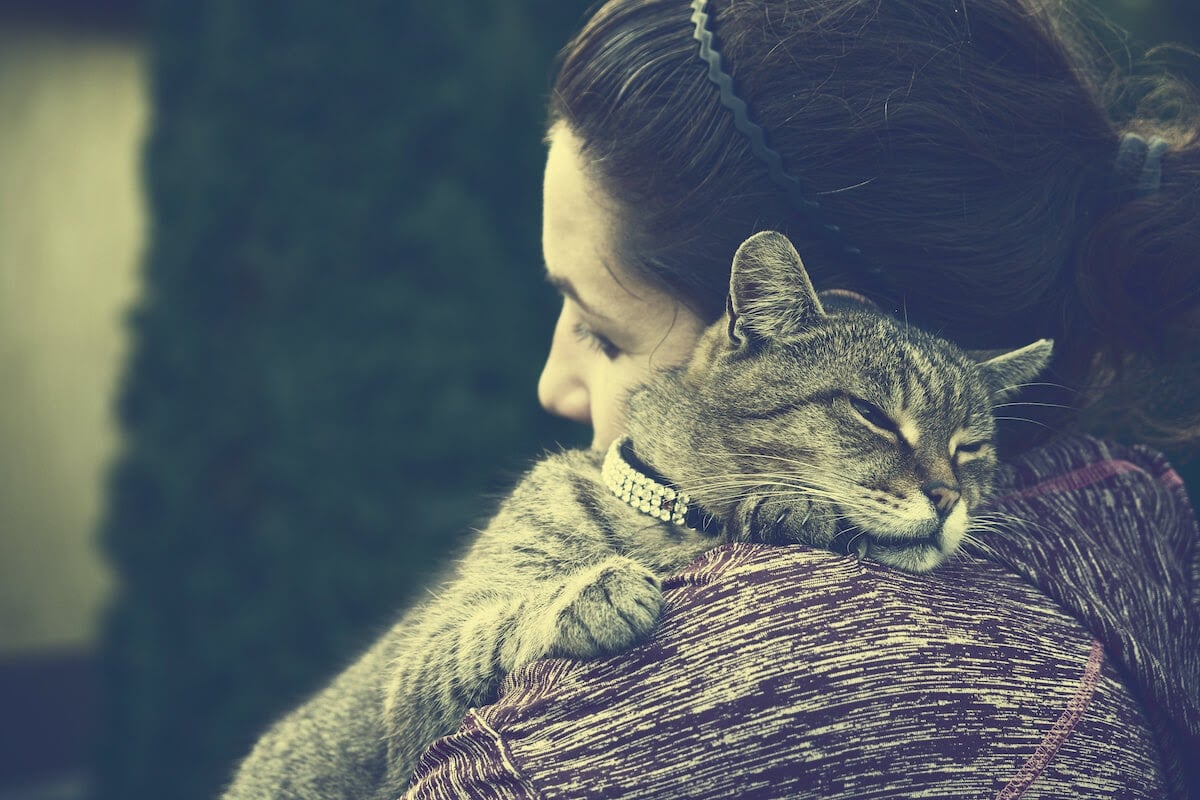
point(966, 148)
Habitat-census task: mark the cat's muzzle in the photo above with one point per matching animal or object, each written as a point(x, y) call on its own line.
point(853, 540)
point(918, 551)
point(767, 521)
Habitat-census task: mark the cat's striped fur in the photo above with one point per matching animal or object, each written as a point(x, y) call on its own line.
point(789, 424)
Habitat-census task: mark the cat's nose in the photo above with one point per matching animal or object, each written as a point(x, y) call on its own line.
point(943, 495)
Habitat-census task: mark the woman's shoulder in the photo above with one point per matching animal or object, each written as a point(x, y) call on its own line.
point(790, 672)
point(801, 584)
point(795, 672)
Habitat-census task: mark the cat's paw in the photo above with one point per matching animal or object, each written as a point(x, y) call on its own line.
point(603, 610)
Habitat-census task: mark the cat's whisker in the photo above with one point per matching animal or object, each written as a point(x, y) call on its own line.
point(801, 495)
point(1026, 419)
point(1030, 403)
point(809, 475)
point(808, 467)
point(1008, 524)
point(847, 502)
point(850, 548)
point(972, 542)
point(973, 549)
point(717, 480)
point(972, 536)
point(702, 489)
point(842, 503)
point(997, 517)
point(1014, 386)
point(741, 488)
point(786, 489)
point(806, 481)
point(743, 475)
point(812, 471)
point(803, 466)
point(724, 499)
point(739, 454)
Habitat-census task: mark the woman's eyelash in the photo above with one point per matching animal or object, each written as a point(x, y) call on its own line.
point(597, 341)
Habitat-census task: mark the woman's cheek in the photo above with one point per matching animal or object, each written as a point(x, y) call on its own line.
point(610, 388)
point(603, 411)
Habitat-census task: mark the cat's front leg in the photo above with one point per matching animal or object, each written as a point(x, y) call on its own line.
point(457, 653)
point(600, 610)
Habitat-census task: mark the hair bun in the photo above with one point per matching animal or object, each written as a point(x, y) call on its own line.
point(1139, 164)
point(1137, 276)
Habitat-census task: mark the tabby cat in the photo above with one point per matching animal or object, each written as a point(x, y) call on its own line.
point(788, 424)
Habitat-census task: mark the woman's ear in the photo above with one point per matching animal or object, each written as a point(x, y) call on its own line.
point(770, 294)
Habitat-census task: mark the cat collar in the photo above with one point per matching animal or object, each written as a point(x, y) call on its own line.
point(641, 487)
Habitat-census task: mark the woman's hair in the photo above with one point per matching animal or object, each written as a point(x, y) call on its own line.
point(967, 149)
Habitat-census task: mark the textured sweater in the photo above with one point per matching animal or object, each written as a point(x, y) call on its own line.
point(1061, 658)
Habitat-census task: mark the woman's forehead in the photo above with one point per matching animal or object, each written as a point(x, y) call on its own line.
point(577, 234)
point(573, 217)
point(576, 226)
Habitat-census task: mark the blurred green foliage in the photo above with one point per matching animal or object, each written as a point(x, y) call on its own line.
point(1153, 22)
point(336, 352)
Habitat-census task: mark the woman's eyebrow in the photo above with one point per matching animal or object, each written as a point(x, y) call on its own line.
point(567, 289)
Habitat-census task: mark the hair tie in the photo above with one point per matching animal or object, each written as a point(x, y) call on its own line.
point(1139, 162)
point(808, 208)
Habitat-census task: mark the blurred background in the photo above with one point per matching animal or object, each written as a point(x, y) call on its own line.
point(271, 318)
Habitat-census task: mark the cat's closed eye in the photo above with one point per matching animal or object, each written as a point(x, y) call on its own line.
point(968, 451)
point(873, 414)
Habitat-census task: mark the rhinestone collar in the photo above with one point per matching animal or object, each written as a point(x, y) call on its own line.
point(648, 492)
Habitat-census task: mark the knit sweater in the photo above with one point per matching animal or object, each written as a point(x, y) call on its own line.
point(1060, 658)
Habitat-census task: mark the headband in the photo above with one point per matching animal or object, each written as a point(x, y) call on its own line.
point(796, 192)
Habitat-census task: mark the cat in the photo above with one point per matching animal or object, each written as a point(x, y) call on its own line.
point(787, 425)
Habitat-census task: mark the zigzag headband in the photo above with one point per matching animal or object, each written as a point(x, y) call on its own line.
point(797, 195)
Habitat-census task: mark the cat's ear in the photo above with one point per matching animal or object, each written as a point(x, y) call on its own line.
point(1008, 370)
point(770, 294)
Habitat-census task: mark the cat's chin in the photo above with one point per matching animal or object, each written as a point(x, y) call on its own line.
point(914, 548)
point(911, 552)
point(922, 556)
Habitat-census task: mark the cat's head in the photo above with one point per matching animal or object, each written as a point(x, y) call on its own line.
point(847, 430)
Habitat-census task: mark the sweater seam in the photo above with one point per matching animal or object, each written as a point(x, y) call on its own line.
point(1054, 739)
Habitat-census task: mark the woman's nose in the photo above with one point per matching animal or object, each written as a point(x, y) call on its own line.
point(562, 388)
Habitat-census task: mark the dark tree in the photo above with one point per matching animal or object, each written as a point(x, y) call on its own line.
point(335, 355)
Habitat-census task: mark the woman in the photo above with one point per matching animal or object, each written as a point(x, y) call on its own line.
point(955, 162)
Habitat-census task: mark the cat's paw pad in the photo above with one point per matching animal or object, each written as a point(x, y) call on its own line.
point(605, 609)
